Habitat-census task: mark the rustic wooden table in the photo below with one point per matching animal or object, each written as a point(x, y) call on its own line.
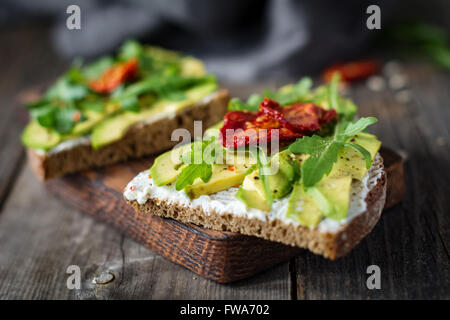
point(40, 236)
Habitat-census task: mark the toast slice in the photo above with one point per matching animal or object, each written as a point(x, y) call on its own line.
point(141, 139)
point(330, 238)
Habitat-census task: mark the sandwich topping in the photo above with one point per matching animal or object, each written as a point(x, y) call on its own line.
point(292, 122)
point(324, 165)
point(96, 103)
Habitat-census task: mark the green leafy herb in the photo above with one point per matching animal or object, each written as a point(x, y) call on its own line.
point(192, 172)
point(285, 96)
point(333, 93)
point(199, 162)
point(130, 103)
point(290, 94)
point(323, 151)
point(162, 85)
point(130, 49)
point(64, 119)
point(262, 164)
point(45, 114)
point(66, 90)
point(95, 69)
point(237, 104)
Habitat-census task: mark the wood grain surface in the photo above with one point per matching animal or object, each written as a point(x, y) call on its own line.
point(217, 255)
point(40, 236)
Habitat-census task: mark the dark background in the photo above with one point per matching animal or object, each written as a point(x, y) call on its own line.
point(240, 40)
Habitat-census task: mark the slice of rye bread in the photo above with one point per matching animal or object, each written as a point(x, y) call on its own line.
point(331, 245)
point(140, 140)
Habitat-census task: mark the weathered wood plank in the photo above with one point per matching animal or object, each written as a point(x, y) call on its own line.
point(23, 52)
point(410, 243)
point(40, 238)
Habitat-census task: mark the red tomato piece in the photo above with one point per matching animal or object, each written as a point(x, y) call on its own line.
point(352, 71)
point(112, 77)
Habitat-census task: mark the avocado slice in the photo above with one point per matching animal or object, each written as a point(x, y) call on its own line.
point(303, 208)
point(168, 166)
point(329, 198)
point(252, 198)
point(224, 176)
point(37, 137)
point(351, 162)
point(85, 126)
point(331, 195)
point(192, 67)
point(252, 191)
point(114, 128)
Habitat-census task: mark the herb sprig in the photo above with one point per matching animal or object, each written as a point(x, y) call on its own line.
point(199, 162)
point(284, 96)
point(324, 151)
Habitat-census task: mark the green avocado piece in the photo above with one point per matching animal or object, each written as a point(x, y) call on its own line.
point(331, 195)
point(37, 137)
point(329, 198)
point(85, 126)
point(252, 199)
point(168, 165)
point(224, 176)
point(192, 67)
point(114, 128)
point(351, 162)
point(337, 191)
point(252, 191)
point(303, 208)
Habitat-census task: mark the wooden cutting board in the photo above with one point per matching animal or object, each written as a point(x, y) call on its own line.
point(218, 255)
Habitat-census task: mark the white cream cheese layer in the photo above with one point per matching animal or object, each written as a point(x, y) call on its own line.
point(142, 188)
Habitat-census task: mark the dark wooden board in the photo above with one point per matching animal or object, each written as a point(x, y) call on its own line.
point(218, 255)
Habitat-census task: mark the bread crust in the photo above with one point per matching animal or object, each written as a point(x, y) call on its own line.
point(329, 245)
point(142, 139)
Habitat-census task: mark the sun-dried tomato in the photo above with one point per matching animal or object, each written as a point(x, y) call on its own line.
point(352, 71)
point(258, 127)
point(112, 77)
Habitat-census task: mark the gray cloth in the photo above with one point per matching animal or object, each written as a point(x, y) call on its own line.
point(240, 40)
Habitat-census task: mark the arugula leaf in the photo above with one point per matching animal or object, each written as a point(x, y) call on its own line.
point(95, 69)
point(130, 103)
point(251, 105)
point(45, 114)
point(291, 94)
point(130, 49)
point(362, 150)
point(323, 151)
point(162, 85)
point(333, 93)
point(64, 119)
point(323, 154)
point(285, 96)
point(262, 165)
point(352, 128)
point(192, 172)
point(60, 119)
point(199, 164)
point(66, 90)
